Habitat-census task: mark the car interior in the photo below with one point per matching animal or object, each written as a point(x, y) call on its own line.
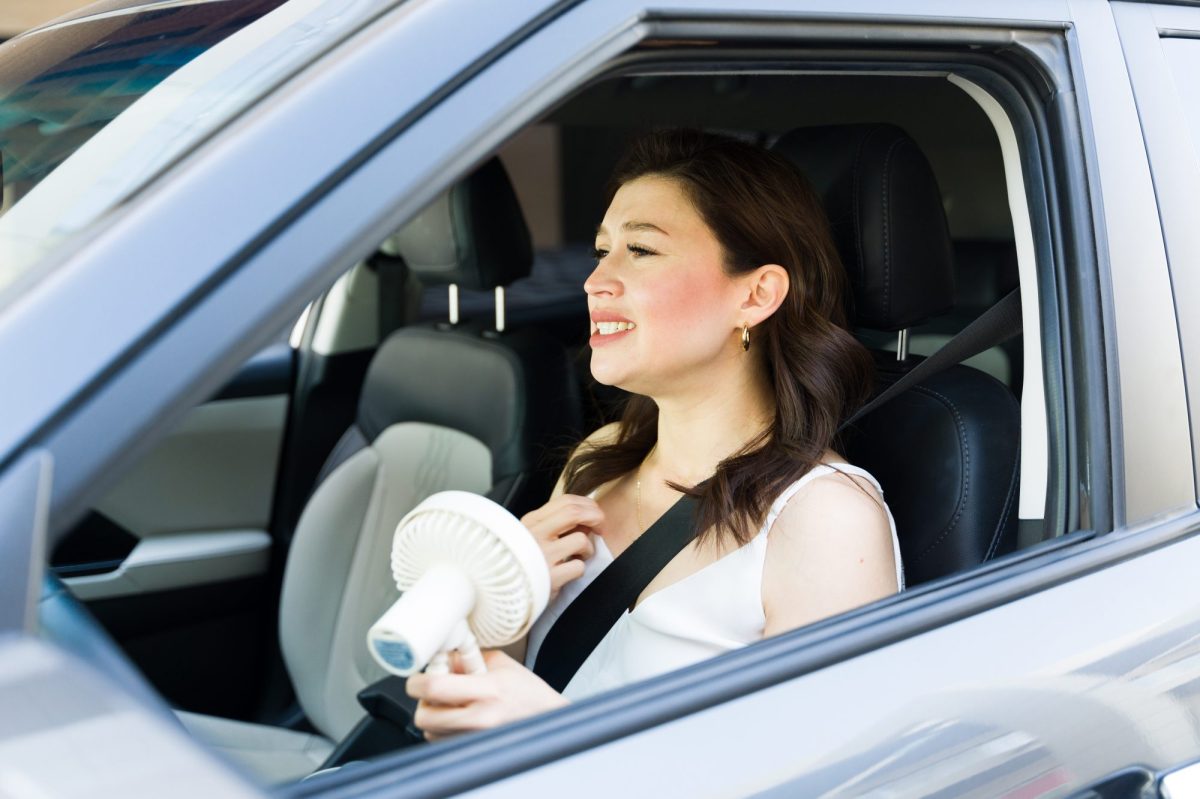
point(240, 563)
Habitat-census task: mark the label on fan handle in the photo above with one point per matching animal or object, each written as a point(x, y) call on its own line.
point(396, 654)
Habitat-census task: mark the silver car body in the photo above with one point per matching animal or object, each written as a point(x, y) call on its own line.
point(1048, 671)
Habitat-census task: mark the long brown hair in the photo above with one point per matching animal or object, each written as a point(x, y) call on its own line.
point(762, 210)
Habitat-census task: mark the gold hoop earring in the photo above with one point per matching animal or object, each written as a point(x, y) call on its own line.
point(745, 337)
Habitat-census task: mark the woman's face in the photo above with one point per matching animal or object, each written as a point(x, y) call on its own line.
point(660, 284)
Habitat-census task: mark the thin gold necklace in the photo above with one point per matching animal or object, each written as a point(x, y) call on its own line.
point(638, 490)
point(638, 500)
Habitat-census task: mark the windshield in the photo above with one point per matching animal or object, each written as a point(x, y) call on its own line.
point(94, 106)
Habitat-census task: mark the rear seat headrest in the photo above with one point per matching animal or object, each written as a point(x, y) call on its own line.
point(473, 235)
point(887, 217)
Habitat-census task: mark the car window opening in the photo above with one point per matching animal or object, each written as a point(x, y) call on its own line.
point(558, 167)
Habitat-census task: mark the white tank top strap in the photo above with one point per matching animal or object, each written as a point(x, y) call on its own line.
point(820, 470)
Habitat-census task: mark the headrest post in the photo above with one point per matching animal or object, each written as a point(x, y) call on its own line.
point(454, 303)
point(499, 309)
point(902, 345)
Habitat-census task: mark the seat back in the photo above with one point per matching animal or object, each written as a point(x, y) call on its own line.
point(946, 451)
point(441, 409)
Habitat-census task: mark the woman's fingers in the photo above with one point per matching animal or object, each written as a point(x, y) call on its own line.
point(564, 573)
point(556, 527)
point(572, 545)
point(455, 703)
point(448, 689)
point(438, 721)
point(565, 556)
point(563, 514)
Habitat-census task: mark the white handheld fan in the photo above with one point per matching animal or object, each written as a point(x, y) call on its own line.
point(471, 575)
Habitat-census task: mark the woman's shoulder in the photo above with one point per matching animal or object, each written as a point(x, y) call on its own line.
point(833, 496)
point(832, 479)
point(839, 484)
point(831, 548)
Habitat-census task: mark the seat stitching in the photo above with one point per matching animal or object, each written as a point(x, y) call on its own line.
point(1012, 486)
point(855, 211)
point(887, 251)
point(966, 482)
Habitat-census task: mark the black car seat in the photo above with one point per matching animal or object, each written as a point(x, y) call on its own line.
point(442, 408)
point(947, 451)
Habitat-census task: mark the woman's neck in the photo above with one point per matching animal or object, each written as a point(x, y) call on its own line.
point(698, 431)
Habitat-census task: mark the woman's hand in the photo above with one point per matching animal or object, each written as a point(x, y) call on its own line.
point(450, 704)
point(561, 529)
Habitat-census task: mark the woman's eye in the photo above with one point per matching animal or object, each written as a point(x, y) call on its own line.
point(638, 251)
point(599, 253)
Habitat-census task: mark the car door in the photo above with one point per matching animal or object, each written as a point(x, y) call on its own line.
point(1046, 671)
point(861, 700)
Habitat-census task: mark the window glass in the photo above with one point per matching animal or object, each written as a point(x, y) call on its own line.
point(94, 106)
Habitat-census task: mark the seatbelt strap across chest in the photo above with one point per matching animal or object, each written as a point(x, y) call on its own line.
point(592, 614)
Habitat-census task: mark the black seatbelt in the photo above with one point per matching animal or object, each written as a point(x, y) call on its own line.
point(593, 613)
point(585, 622)
point(994, 326)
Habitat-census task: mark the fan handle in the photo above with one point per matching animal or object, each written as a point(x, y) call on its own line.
point(422, 621)
point(463, 641)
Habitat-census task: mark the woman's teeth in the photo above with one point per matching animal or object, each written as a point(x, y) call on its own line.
point(608, 328)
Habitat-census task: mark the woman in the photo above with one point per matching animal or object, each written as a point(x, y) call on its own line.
point(717, 302)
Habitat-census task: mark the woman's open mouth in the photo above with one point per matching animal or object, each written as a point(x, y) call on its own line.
point(609, 332)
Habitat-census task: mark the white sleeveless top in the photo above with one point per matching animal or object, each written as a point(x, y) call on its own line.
point(707, 613)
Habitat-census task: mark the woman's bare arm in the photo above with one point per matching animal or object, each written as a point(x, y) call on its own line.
point(829, 551)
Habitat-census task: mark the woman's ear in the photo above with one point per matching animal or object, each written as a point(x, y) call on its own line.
point(766, 288)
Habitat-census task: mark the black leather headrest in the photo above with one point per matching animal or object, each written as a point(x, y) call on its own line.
point(473, 235)
point(887, 217)
point(515, 394)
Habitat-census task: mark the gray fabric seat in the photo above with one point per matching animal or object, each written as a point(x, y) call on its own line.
point(440, 409)
point(273, 754)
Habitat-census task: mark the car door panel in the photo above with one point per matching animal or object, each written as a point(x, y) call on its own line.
point(174, 559)
point(179, 560)
point(216, 471)
point(201, 496)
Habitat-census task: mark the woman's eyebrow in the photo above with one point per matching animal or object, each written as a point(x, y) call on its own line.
point(647, 226)
point(635, 226)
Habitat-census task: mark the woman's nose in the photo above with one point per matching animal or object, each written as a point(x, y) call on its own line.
point(603, 280)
